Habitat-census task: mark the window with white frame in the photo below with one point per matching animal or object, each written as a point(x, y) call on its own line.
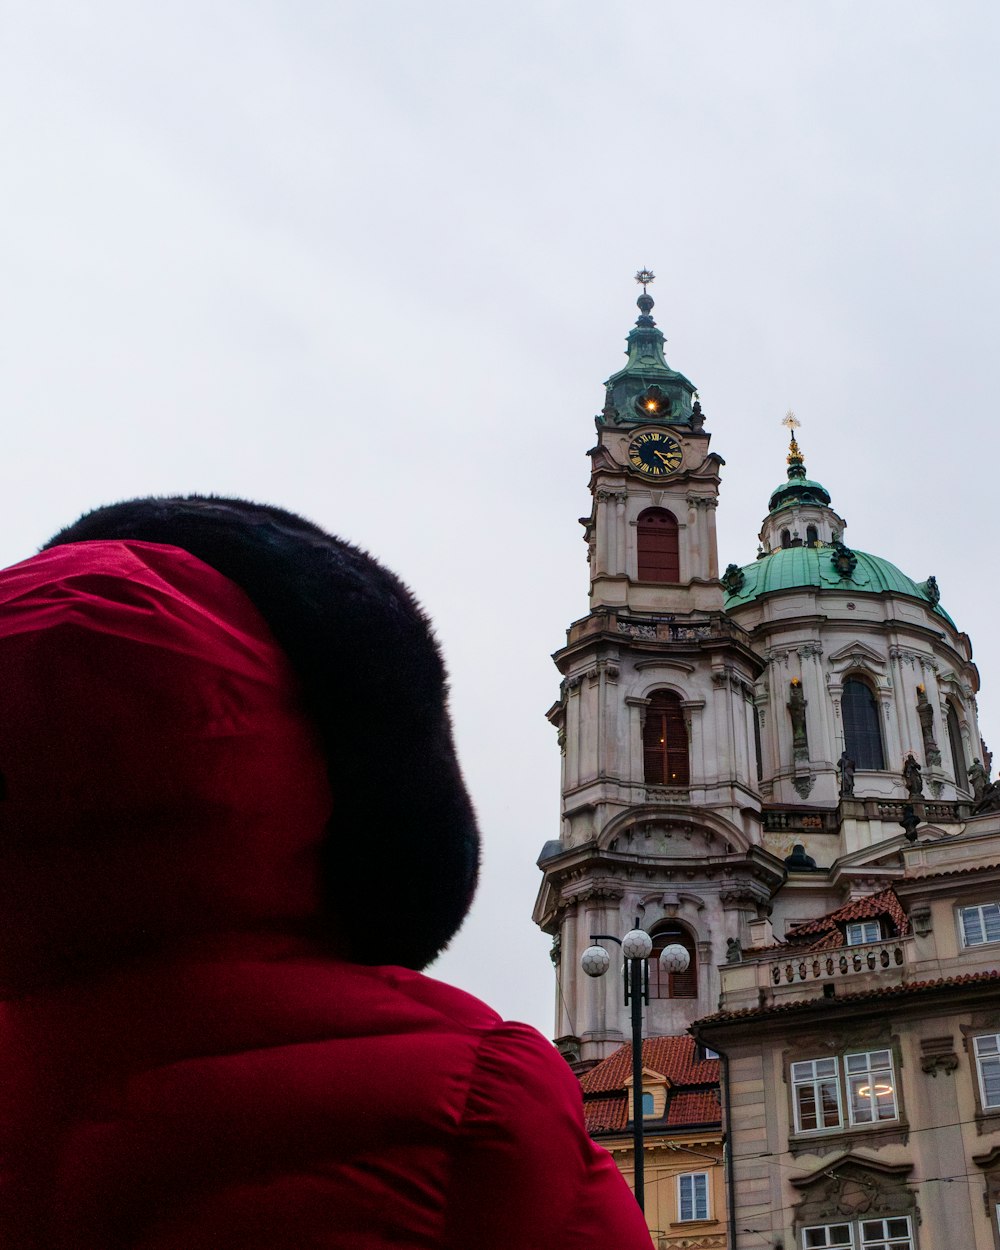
point(865, 1084)
point(980, 924)
point(987, 1050)
point(871, 1086)
point(861, 932)
point(816, 1094)
point(895, 1233)
point(692, 1196)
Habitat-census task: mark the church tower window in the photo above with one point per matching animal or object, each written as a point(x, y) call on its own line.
point(658, 546)
point(812, 536)
point(664, 984)
point(786, 539)
point(862, 732)
point(665, 741)
point(957, 750)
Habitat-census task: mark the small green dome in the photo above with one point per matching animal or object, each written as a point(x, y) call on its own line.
point(793, 567)
point(798, 490)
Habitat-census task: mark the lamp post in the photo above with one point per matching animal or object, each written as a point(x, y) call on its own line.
point(637, 947)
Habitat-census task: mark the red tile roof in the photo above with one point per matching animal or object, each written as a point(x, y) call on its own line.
point(676, 1058)
point(692, 1090)
point(825, 1004)
point(830, 926)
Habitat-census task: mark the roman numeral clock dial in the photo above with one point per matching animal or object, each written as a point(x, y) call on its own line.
point(654, 453)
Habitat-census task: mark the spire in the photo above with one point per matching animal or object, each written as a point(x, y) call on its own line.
point(796, 465)
point(647, 389)
point(798, 489)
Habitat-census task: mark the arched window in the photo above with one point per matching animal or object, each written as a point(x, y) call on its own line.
point(862, 733)
point(658, 548)
point(786, 539)
point(812, 535)
point(665, 741)
point(957, 749)
point(663, 984)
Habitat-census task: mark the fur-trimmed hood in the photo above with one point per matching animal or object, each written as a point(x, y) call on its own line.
point(342, 638)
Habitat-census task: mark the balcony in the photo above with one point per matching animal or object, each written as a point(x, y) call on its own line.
point(781, 974)
point(844, 961)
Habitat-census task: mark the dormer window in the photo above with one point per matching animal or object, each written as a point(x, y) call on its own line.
point(648, 1104)
point(862, 932)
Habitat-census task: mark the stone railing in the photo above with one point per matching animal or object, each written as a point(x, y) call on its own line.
point(843, 961)
point(924, 809)
point(799, 820)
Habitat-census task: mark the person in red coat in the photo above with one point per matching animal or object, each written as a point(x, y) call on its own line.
point(232, 832)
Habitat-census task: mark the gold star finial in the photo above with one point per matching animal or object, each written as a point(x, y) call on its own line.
point(791, 421)
point(644, 277)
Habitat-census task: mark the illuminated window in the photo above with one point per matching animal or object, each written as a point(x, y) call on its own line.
point(665, 741)
point(692, 1196)
point(821, 1088)
point(871, 1087)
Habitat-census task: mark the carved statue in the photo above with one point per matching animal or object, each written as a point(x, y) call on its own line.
point(734, 951)
point(843, 559)
point(697, 417)
point(910, 822)
point(977, 780)
point(797, 711)
point(926, 715)
point(845, 767)
point(913, 778)
point(990, 802)
point(733, 579)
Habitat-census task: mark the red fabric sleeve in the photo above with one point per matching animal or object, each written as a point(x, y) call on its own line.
point(526, 1174)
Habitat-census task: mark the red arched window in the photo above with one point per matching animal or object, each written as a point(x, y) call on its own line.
point(663, 984)
point(659, 556)
point(665, 741)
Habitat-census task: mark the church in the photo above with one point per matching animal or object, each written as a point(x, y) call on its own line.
point(778, 768)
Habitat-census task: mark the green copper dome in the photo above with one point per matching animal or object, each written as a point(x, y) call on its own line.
point(794, 567)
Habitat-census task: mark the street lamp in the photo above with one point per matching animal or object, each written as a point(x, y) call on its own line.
point(637, 947)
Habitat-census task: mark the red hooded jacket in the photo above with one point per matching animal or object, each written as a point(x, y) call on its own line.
point(183, 1065)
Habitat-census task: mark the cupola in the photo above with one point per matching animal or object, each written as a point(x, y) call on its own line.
point(799, 512)
point(647, 390)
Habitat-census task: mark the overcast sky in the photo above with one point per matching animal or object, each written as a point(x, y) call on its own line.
point(373, 261)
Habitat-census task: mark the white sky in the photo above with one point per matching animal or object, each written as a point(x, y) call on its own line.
point(373, 261)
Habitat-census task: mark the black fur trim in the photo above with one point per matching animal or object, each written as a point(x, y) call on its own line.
point(401, 856)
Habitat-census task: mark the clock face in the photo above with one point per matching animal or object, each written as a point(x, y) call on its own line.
point(655, 453)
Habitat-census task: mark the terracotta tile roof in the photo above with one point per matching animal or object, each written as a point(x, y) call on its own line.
point(951, 872)
point(676, 1058)
point(884, 903)
point(825, 1004)
point(701, 1106)
point(692, 1092)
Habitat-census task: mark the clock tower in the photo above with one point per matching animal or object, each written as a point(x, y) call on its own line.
point(656, 720)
